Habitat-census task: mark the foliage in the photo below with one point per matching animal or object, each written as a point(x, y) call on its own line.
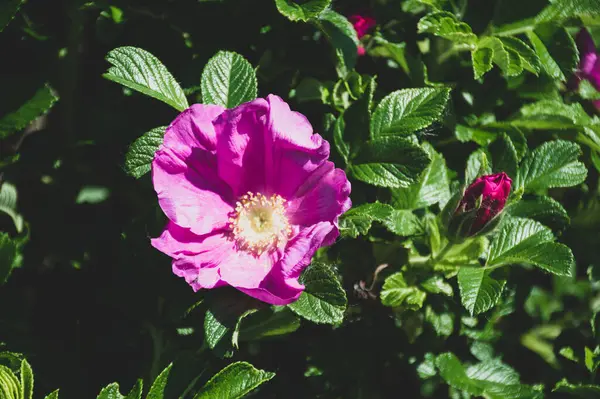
point(437, 94)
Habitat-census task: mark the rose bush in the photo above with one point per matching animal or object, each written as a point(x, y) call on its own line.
point(304, 199)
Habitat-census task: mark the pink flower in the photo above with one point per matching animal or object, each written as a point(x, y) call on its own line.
point(362, 24)
point(250, 197)
point(482, 201)
point(589, 62)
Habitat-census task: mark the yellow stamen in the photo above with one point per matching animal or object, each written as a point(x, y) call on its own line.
point(259, 223)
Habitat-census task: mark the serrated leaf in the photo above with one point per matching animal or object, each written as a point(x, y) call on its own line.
point(504, 156)
point(426, 368)
point(403, 223)
point(136, 391)
point(26, 380)
point(529, 59)
point(8, 204)
point(396, 292)
point(546, 61)
point(234, 381)
point(560, 10)
point(110, 391)
point(139, 70)
point(584, 391)
point(437, 285)
point(9, 384)
point(157, 390)
point(553, 164)
point(453, 372)
point(432, 187)
point(229, 80)
point(38, 105)
point(477, 165)
point(304, 11)
point(8, 10)
point(442, 323)
point(527, 241)
point(390, 162)
point(358, 219)
point(342, 36)
point(482, 61)
point(224, 309)
point(543, 209)
point(8, 254)
point(53, 395)
point(445, 24)
point(323, 300)
point(406, 111)
point(138, 160)
point(548, 114)
point(479, 292)
point(507, 59)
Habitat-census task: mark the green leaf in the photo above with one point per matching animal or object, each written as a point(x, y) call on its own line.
point(138, 160)
point(426, 369)
point(432, 187)
point(234, 381)
point(403, 223)
point(157, 390)
point(577, 390)
point(225, 307)
point(53, 395)
point(38, 105)
point(437, 285)
point(560, 10)
point(406, 111)
point(8, 254)
point(358, 220)
point(442, 323)
point(8, 10)
point(268, 323)
point(543, 209)
point(390, 162)
point(92, 195)
point(390, 50)
point(445, 24)
point(477, 165)
point(453, 372)
point(549, 114)
point(507, 59)
point(9, 384)
point(504, 156)
point(323, 300)
point(136, 391)
point(546, 61)
point(342, 36)
point(482, 58)
point(303, 11)
point(396, 292)
point(529, 59)
point(139, 70)
point(553, 164)
point(8, 204)
point(479, 292)
point(228, 79)
point(110, 391)
point(588, 91)
point(26, 380)
point(527, 241)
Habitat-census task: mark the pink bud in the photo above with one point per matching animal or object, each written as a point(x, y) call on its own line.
point(362, 24)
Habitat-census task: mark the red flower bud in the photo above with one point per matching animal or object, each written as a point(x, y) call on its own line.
point(482, 201)
point(362, 24)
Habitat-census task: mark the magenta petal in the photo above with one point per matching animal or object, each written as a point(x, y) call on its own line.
point(196, 258)
point(585, 43)
point(301, 249)
point(241, 147)
point(244, 270)
point(293, 151)
point(282, 293)
point(323, 197)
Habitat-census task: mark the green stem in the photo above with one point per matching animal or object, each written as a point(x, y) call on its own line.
point(455, 49)
point(440, 255)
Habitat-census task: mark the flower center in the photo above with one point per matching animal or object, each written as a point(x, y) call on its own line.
point(259, 223)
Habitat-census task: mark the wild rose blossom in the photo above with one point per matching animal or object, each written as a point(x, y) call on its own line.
point(481, 202)
point(589, 62)
point(362, 25)
point(250, 196)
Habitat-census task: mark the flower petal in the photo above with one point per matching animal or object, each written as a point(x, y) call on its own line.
point(293, 152)
point(301, 249)
point(276, 293)
point(244, 270)
point(184, 172)
point(241, 147)
point(323, 197)
point(196, 258)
